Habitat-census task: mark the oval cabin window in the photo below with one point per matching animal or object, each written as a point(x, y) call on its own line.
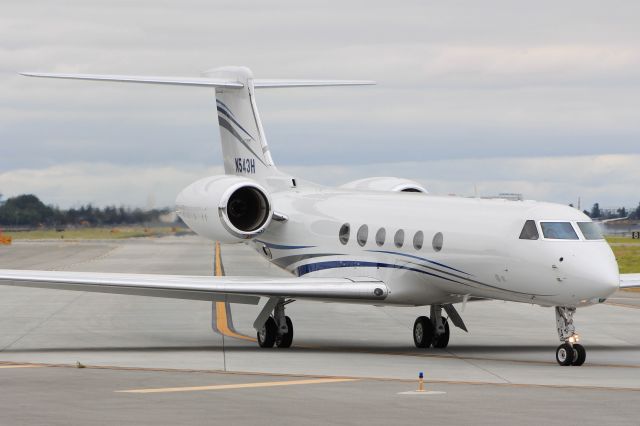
point(437, 242)
point(398, 239)
point(418, 240)
point(363, 234)
point(343, 235)
point(380, 237)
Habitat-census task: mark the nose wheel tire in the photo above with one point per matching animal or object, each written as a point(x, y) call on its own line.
point(268, 333)
point(285, 340)
point(565, 354)
point(580, 355)
point(423, 332)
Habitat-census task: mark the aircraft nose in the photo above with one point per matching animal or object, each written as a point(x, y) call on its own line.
point(610, 278)
point(604, 276)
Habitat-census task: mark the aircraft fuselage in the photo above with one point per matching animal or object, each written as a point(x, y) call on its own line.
point(430, 249)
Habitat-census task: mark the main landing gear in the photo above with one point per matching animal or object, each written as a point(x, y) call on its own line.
point(277, 329)
point(570, 352)
point(432, 331)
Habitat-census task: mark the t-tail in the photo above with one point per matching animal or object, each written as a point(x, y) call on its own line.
point(244, 145)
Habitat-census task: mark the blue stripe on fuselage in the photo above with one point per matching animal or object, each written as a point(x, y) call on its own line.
point(419, 258)
point(319, 266)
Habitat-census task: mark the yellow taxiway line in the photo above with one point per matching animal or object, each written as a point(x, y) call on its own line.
point(20, 366)
point(222, 320)
point(222, 324)
point(239, 386)
point(217, 268)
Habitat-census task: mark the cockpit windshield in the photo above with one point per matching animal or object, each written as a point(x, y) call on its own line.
point(558, 230)
point(590, 231)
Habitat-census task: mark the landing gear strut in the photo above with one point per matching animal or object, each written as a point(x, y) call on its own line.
point(278, 328)
point(432, 331)
point(570, 352)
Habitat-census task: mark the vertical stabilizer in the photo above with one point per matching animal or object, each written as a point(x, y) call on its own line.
point(244, 145)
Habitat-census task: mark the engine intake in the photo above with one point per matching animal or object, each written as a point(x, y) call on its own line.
point(225, 208)
point(247, 209)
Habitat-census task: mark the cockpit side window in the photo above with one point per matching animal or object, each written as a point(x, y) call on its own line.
point(558, 230)
point(590, 231)
point(529, 231)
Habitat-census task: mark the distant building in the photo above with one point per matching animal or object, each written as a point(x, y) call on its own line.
point(513, 196)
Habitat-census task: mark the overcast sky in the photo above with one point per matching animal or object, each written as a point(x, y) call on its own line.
point(540, 98)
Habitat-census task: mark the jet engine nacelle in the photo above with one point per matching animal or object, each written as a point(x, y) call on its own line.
point(392, 184)
point(225, 208)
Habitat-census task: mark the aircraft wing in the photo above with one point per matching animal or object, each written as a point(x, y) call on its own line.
point(246, 290)
point(629, 281)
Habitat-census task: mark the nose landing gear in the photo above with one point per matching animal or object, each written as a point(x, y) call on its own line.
point(570, 352)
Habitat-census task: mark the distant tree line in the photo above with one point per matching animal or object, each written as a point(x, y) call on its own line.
point(28, 210)
point(598, 213)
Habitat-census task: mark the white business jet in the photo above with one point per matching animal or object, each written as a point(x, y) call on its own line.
point(378, 241)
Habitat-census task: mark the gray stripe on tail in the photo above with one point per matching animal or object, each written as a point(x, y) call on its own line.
point(225, 124)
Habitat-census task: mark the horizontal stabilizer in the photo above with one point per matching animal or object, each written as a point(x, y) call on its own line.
point(234, 289)
point(277, 83)
point(178, 81)
point(629, 281)
point(201, 81)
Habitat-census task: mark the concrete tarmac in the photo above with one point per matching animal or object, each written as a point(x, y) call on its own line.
point(502, 371)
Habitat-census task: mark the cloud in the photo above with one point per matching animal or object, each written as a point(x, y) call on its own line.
point(485, 82)
point(610, 180)
point(101, 184)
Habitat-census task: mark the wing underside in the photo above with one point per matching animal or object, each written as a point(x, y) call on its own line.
point(246, 290)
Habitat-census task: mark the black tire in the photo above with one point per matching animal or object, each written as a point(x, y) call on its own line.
point(564, 354)
point(423, 332)
point(580, 355)
point(267, 335)
point(285, 340)
point(442, 341)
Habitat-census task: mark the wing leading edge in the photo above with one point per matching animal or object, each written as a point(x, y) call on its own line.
point(246, 290)
point(629, 281)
